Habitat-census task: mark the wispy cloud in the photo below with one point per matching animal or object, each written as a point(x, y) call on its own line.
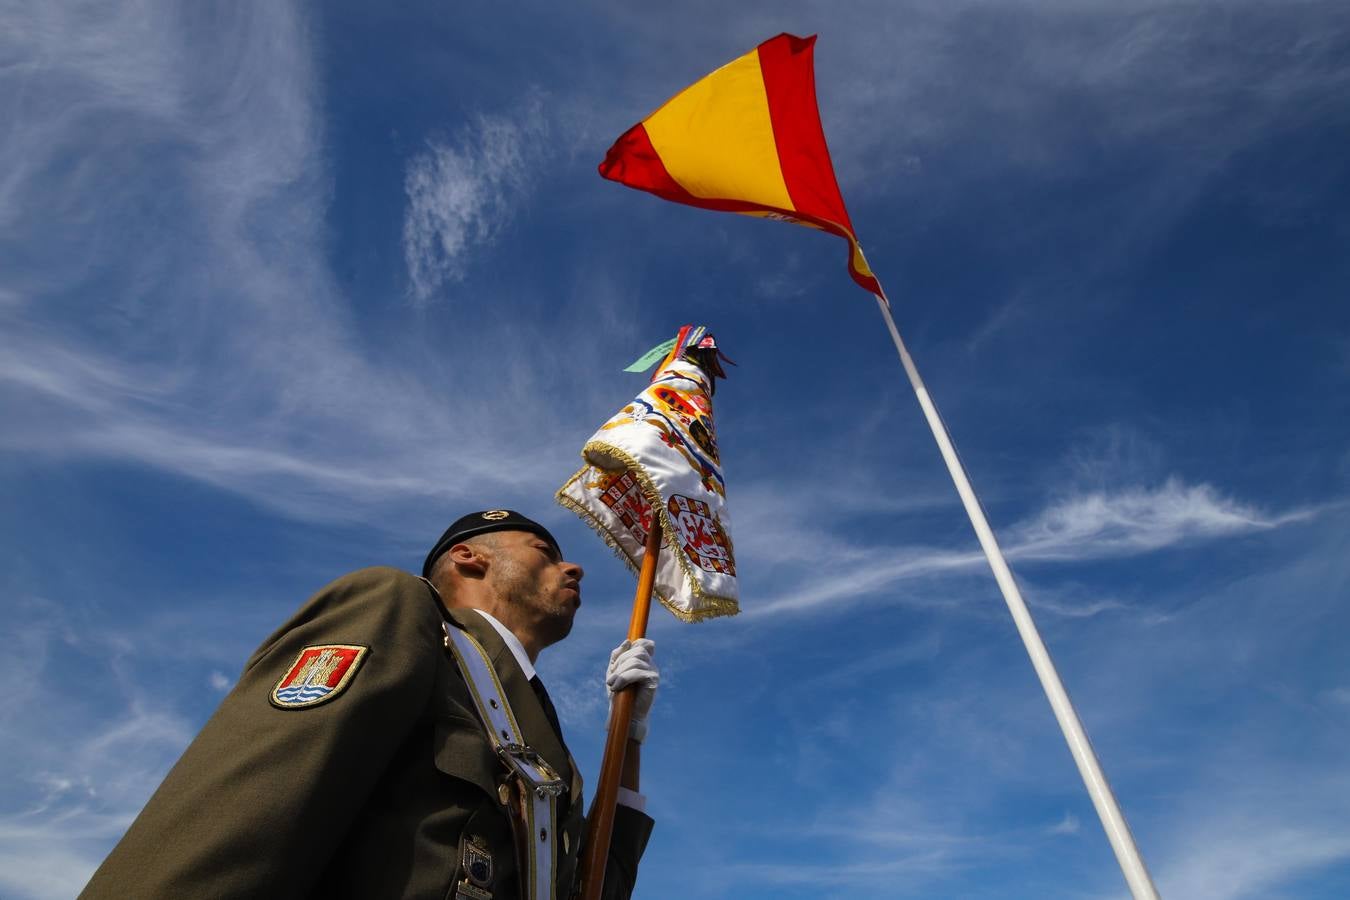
point(461, 194)
point(898, 847)
point(1080, 610)
point(1093, 525)
point(1137, 520)
point(1226, 797)
point(1067, 825)
point(173, 305)
point(1339, 696)
point(84, 799)
point(899, 871)
point(116, 738)
point(860, 582)
point(1252, 857)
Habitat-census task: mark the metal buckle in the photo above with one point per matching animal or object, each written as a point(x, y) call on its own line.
point(525, 762)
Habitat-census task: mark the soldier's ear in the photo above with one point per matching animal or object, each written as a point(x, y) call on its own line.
point(469, 560)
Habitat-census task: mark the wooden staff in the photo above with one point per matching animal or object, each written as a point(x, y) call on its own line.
point(600, 822)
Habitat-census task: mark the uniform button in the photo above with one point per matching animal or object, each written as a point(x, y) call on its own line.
point(543, 834)
point(566, 849)
point(504, 793)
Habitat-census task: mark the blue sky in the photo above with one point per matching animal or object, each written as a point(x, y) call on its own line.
point(286, 288)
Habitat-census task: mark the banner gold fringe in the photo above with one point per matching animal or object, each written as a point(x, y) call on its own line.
point(708, 606)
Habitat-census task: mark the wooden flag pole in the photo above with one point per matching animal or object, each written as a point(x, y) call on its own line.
point(600, 821)
point(1113, 820)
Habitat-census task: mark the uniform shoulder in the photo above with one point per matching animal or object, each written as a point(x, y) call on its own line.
point(377, 605)
point(375, 576)
point(376, 594)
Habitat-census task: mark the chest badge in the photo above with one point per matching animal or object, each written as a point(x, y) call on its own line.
point(476, 861)
point(319, 674)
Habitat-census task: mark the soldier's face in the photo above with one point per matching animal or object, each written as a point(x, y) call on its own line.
point(530, 575)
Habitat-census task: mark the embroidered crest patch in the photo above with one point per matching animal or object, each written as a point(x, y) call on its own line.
point(318, 675)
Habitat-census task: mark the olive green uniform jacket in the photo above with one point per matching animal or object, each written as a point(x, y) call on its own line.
point(371, 794)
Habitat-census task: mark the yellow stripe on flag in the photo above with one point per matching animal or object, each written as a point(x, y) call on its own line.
point(860, 262)
point(716, 138)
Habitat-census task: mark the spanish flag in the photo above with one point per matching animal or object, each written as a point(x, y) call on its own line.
point(745, 139)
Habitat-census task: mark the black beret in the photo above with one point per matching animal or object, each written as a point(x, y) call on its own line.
point(481, 523)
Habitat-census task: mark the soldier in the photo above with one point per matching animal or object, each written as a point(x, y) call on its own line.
point(354, 756)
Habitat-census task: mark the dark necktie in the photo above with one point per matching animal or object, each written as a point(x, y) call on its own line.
point(547, 704)
point(564, 802)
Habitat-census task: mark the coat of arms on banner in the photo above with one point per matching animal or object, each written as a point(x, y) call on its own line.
point(318, 675)
point(702, 536)
point(659, 456)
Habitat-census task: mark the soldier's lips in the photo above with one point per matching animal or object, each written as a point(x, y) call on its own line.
point(576, 593)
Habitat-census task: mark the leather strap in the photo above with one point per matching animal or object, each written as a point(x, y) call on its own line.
point(536, 784)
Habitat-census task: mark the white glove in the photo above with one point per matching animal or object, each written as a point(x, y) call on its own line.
point(631, 663)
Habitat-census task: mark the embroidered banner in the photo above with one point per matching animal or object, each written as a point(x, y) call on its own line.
point(659, 454)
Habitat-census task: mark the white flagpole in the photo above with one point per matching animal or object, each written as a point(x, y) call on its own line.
point(1117, 829)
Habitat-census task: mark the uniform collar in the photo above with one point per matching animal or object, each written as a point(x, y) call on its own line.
point(512, 643)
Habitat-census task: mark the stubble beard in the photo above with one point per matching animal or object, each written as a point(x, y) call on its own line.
point(552, 616)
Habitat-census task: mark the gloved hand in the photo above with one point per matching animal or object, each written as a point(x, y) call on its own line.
point(631, 663)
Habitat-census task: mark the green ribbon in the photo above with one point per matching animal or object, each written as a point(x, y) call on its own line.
point(652, 356)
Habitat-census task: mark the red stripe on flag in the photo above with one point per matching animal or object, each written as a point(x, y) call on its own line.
point(634, 161)
point(788, 66)
point(790, 83)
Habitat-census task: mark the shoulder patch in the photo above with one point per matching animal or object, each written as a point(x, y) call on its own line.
point(318, 675)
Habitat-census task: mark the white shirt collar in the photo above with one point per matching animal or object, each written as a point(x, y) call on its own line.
point(512, 643)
